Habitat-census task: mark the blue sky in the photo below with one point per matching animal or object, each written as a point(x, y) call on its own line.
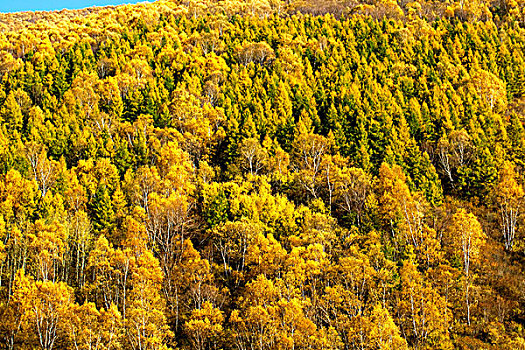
point(47, 5)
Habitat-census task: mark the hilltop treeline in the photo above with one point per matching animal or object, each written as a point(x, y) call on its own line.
point(263, 175)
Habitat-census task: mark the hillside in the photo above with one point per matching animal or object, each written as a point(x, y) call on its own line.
point(263, 175)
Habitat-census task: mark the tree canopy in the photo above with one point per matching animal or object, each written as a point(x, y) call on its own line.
point(263, 175)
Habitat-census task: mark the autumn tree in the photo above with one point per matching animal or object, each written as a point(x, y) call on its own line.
point(423, 313)
point(353, 186)
point(205, 326)
point(254, 156)
point(509, 194)
point(145, 323)
point(92, 328)
point(404, 213)
point(44, 170)
point(310, 149)
point(47, 310)
point(468, 239)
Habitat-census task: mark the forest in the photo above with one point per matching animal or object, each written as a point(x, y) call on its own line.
point(263, 175)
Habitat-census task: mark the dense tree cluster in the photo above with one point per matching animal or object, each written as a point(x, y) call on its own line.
point(263, 175)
